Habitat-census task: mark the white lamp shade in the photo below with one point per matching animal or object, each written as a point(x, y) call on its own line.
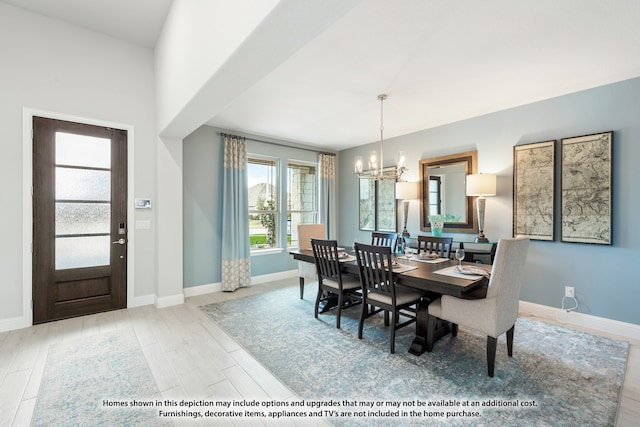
point(482, 184)
point(406, 190)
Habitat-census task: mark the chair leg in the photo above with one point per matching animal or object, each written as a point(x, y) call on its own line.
point(492, 343)
point(510, 340)
point(340, 302)
point(301, 287)
point(363, 312)
point(454, 329)
point(393, 331)
point(386, 318)
point(318, 297)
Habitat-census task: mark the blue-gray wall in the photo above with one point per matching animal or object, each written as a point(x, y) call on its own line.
point(606, 278)
point(202, 205)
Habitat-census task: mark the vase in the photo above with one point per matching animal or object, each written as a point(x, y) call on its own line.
point(436, 228)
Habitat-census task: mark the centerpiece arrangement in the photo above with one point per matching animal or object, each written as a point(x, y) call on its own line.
point(437, 222)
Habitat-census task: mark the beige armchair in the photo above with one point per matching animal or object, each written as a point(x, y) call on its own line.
point(494, 314)
point(306, 232)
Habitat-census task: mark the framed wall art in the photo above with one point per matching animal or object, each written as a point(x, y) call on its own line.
point(533, 190)
point(586, 188)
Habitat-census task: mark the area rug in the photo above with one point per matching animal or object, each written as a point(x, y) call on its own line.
point(557, 377)
point(102, 380)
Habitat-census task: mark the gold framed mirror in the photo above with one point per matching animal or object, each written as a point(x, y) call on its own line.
point(442, 189)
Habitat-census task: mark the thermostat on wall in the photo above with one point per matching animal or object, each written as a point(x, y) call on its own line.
point(143, 203)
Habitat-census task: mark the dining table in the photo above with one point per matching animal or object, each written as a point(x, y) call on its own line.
point(432, 277)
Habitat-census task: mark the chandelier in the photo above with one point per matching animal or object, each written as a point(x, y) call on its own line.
point(376, 168)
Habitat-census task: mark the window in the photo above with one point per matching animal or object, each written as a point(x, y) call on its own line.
point(262, 179)
point(302, 199)
point(377, 205)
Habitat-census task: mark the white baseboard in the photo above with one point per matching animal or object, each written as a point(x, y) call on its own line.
point(161, 302)
point(255, 280)
point(194, 291)
point(143, 300)
point(624, 330)
point(14, 323)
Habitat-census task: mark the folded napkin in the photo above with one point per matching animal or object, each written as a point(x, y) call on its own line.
point(465, 273)
point(473, 271)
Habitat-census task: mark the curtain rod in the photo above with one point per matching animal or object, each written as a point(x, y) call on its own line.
point(278, 144)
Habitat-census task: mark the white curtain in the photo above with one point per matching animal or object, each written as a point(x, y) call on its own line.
point(236, 253)
point(328, 212)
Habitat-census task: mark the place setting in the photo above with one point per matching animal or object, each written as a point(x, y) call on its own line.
point(469, 272)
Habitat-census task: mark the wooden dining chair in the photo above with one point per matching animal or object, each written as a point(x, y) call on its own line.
point(330, 279)
point(439, 245)
point(494, 314)
point(380, 238)
point(380, 292)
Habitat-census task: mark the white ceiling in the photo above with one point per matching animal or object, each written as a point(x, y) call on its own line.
point(135, 21)
point(439, 61)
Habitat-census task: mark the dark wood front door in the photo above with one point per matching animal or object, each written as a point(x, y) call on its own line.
point(79, 219)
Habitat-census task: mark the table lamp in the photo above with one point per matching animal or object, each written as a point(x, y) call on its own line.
point(481, 185)
point(406, 191)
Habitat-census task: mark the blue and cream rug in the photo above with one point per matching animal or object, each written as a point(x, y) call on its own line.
point(568, 378)
point(97, 381)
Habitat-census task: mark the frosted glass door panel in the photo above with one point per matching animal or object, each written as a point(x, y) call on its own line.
point(78, 252)
point(81, 150)
point(82, 184)
point(83, 218)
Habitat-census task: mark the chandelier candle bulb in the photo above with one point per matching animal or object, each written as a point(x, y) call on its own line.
point(358, 165)
point(377, 170)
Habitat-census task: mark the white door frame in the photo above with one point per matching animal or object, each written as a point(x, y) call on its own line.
point(27, 203)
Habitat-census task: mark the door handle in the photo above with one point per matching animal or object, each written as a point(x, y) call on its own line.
point(119, 242)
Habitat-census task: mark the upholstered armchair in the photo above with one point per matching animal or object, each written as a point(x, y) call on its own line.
point(307, 270)
point(494, 314)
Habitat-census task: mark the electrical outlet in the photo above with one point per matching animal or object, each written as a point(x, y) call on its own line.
point(569, 292)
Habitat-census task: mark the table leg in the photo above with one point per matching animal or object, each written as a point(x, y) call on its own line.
point(420, 343)
point(418, 346)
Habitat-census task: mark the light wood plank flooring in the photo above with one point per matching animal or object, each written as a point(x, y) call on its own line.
point(190, 357)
